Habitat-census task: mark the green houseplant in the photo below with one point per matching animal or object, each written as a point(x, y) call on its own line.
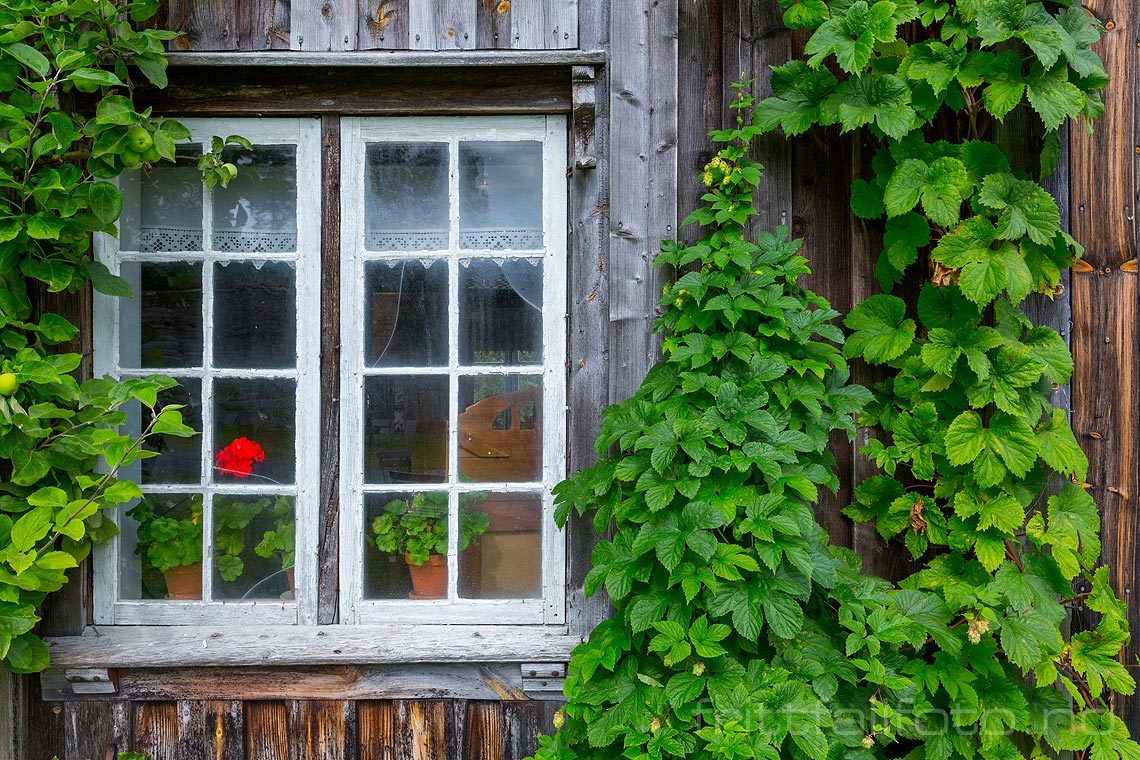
point(280, 541)
point(417, 528)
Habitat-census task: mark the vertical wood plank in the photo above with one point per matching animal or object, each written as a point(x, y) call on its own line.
point(443, 24)
point(379, 724)
point(493, 24)
point(766, 42)
point(561, 24)
point(383, 24)
point(155, 730)
point(267, 735)
point(209, 729)
point(328, 550)
point(822, 210)
point(484, 731)
point(700, 99)
point(526, 721)
point(323, 729)
point(528, 24)
point(323, 25)
point(426, 730)
point(43, 727)
point(226, 25)
point(1106, 396)
point(7, 715)
point(92, 730)
point(588, 272)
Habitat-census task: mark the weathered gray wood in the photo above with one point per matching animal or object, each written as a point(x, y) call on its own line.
point(322, 25)
point(491, 682)
point(7, 716)
point(373, 58)
point(561, 24)
point(700, 99)
point(211, 729)
point(226, 25)
point(383, 25)
point(179, 646)
point(443, 24)
point(589, 320)
point(493, 24)
point(528, 24)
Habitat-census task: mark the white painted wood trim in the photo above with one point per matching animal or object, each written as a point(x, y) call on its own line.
point(355, 134)
point(189, 646)
point(305, 134)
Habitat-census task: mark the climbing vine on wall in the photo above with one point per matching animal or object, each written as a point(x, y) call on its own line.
point(737, 632)
point(68, 125)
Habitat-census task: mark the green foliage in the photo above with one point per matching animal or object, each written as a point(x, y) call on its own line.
point(280, 540)
point(60, 445)
point(980, 477)
point(418, 526)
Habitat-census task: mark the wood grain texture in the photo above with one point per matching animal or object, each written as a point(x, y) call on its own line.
point(321, 25)
point(443, 24)
point(93, 730)
point(42, 732)
point(207, 91)
point(8, 721)
point(700, 99)
point(383, 25)
point(484, 731)
point(211, 729)
point(1106, 395)
point(154, 730)
point(267, 734)
point(561, 24)
point(328, 550)
point(323, 729)
point(226, 25)
point(493, 24)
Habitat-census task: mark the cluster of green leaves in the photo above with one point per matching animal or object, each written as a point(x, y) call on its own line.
point(968, 441)
point(417, 526)
point(172, 537)
point(61, 449)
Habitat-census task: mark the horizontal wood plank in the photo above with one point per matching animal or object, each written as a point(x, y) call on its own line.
point(202, 646)
point(390, 58)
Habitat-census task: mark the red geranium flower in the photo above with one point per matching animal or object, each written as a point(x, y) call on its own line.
point(237, 459)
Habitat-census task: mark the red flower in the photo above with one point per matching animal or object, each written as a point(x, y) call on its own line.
point(237, 459)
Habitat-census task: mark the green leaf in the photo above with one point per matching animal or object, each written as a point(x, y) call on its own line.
point(30, 57)
point(106, 202)
point(107, 283)
point(1026, 209)
point(880, 99)
point(881, 330)
point(27, 654)
point(1059, 448)
point(964, 438)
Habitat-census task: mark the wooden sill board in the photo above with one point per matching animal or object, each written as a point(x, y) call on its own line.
point(408, 58)
point(206, 646)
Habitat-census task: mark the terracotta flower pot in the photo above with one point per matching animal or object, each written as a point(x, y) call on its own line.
point(292, 576)
point(429, 580)
point(184, 582)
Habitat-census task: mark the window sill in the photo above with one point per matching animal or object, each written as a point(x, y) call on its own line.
point(410, 58)
point(216, 646)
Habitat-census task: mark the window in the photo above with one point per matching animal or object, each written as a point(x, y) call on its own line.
point(452, 364)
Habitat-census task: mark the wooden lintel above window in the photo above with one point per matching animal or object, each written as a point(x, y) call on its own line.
point(391, 58)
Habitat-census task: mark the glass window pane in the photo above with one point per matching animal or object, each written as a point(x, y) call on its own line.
point(161, 325)
point(500, 195)
point(162, 208)
point(254, 547)
point(253, 430)
point(406, 314)
point(406, 197)
point(255, 315)
point(500, 546)
point(161, 548)
point(500, 428)
point(405, 546)
point(500, 311)
point(179, 459)
point(405, 429)
point(257, 213)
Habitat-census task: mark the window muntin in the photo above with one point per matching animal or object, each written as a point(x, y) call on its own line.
point(225, 300)
point(453, 386)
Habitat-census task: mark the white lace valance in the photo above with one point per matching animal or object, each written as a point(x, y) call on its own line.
point(495, 239)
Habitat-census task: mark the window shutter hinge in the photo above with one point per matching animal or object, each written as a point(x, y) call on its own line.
point(543, 676)
point(92, 680)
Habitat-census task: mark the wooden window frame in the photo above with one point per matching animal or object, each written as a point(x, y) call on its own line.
point(109, 608)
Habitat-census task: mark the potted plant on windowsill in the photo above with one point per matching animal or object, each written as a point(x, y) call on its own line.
point(281, 540)
point(417, 528)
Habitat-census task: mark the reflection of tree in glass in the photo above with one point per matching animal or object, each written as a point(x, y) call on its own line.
point(264, 194)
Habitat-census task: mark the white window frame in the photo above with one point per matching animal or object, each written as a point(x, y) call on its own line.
point(356, 133)
point(109, 609)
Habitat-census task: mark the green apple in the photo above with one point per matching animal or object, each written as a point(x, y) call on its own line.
point(139, 139)
point(131, 158)
point(151, 155)
point(8, 384)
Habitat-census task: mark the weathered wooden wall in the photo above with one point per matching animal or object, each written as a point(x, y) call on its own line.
point(664, 86)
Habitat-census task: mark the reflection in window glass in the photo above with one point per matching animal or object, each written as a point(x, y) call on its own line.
point(253, 430)
point(162, 208)
point(405, 197)
point(257, 212)
point(255, 315)
point(490, 452)
point(254, 547)
point(160, 326)
point(405, 429)
point(500, 195)
point(500, 311)
point(180, 459)
point(406, 313)
point(502, 555)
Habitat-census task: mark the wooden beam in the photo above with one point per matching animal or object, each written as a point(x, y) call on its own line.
point(374, 58)
point(1106, 396)
point(200, 646)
